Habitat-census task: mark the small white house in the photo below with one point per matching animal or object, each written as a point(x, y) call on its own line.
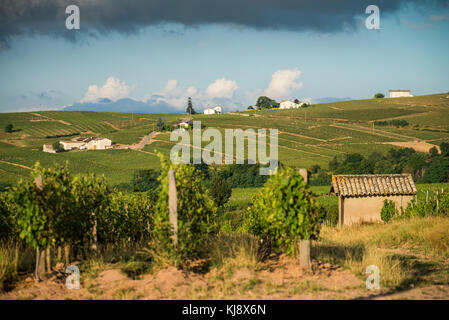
point(183, 124)
point(98, 144)
point(216, 110)
point(69, 145)
point(400, 93)
point(90, 143)
point(286, 104)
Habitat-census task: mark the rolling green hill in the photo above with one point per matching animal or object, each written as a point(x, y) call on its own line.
point(307, 136)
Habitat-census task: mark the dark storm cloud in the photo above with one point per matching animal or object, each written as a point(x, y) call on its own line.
point(18, 17)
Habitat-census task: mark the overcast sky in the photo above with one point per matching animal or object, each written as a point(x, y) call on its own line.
point(158, 53)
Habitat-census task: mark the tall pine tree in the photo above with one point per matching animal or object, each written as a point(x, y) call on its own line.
point(190, 109)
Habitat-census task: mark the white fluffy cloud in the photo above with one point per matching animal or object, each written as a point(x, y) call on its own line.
point(222, 88)
point(113, 89)
point(282, 83)
point(176, 96)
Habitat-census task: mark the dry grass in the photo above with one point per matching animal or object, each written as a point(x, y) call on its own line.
point(7, 264)
point(428, 235)
point(235, 251)
point(386, 246)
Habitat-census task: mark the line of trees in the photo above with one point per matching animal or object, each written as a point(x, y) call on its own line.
point(425, 168)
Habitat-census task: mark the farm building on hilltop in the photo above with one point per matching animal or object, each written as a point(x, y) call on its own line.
point(399, 93)
point(216, 110)
point(286, 104)
point(361, 197)
point(90, 143)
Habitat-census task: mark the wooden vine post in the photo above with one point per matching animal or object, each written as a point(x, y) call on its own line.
point(40, 253)
point(94, 244)
point(173, 205)
point(304, 244)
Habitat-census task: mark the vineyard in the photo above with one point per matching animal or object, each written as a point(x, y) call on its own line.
point(89, 209)
point(55, 218)
point(307, 136)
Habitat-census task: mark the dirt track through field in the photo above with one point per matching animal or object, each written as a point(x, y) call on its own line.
point(16, 164)
point(148, 139)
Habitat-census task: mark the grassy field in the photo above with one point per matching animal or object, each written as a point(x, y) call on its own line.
point(307, 136)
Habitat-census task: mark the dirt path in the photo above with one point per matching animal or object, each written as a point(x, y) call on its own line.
point(45, 118)
point(148, 139)
point(111, 125)
point(16, 164)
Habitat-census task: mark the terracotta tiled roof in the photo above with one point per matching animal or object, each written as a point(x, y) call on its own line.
point(373, 185)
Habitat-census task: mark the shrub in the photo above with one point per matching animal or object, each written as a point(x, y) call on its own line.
point(389, 211)
point(9, 128)
point(444, 204)
point(379, 96)
point(220, 191)
point(6, 219)
point(283, 211)
point(196, 214)
point(144, 180)
point(126, 218)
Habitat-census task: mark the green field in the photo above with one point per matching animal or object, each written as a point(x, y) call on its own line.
point(307, 136)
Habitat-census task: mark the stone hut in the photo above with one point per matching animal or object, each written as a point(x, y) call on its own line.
point(361, 197)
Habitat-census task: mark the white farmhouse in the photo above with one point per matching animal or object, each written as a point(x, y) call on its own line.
point(90, 143)
point(286, 104)
point(73, 144)
point(399, 93)
point(98, 143)
point(183, 124)
point(216, 110)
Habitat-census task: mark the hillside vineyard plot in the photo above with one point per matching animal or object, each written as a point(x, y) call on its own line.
point(307, 136)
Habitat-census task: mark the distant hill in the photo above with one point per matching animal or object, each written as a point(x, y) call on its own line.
point(125, 105)
point(329, 100)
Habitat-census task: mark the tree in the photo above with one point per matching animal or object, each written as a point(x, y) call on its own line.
point(9, 128)
point(379, 96)
point(333, 164)
point(296, 101)
point(220, 191)
point(433, 152)
point(57, 146)
point(190, 109)
point(160, 125)
point(444, 147)
point(266, 103)
point(315, 168)
point(250, 108)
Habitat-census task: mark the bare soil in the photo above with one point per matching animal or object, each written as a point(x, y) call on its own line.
point(277, 278)
point(420, 146)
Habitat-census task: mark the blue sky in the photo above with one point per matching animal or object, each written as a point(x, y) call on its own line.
point(228, 63)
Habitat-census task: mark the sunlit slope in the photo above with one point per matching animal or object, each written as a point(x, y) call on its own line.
point(307, 136)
